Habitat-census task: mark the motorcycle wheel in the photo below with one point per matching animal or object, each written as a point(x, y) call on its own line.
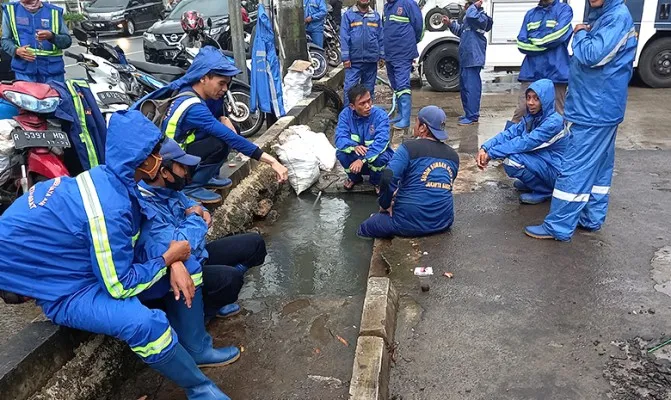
point(250, 122)
point(334, 56)
point(319, 64)
point(333, 100)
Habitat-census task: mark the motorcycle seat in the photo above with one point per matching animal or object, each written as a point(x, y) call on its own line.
point(153, 68)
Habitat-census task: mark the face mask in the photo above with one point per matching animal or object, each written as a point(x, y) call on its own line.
point(178, 184)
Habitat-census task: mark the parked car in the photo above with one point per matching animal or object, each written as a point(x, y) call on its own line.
point(122, 16)
point(160, 41)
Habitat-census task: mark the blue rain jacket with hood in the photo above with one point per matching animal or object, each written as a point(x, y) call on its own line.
point(169, 222)
point(266, 79)
point(544, 38)
point(82, 121)
point(403, 29)
point(74, 252)
point(362, 36)
point(195, 120)
point(473, 43)
point(604, 54)
point(533, 149)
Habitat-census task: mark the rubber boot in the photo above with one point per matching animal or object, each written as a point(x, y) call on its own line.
point(180, 368)
point(190, 328)
point(404, 108)
point(397, 113)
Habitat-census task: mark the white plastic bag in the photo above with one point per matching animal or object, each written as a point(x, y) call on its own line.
point(6, 148)
point(297, 85)
point(317, 143)
point(303, 165)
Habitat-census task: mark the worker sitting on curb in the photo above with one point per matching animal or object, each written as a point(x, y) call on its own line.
point(176, 217)
point(190, 122)
point(533, 149)
point(416, 189)
point(362, 138)
point(68, 243)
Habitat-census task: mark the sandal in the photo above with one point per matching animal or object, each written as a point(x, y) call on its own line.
point(349, 184)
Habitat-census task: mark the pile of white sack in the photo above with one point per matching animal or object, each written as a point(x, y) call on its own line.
point(297, 85)
point(304, 153)
point(6, 147)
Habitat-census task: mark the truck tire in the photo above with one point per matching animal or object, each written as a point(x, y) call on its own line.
point(434, 20)
point(441, 67)
point(654, 67)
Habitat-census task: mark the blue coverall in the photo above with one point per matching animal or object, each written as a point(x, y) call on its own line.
point(266, 75)
point(605, 53)
point(403, 29)
point(361, 39)
point(472, 49)
point(19, 28)
point(373, 132)
point(316, 9)
point(533, 149)
point(543, 39)
point(419, 180)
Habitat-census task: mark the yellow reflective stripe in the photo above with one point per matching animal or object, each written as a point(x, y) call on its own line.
point(190, 138)
point(136, 237)
point(529, 47)
point(372, 159)
point(533, 25)
point(12, 24)
point(376, 169)
point(54, 22)
point(55, 27)
point(404, 91)
point(355, 137)
point(348, 149)
point(85, 136)
point(171, 128)
point(197, 279)
point(368, 142)
point(101, 244)
point(550, 23)
point(373, 24)
point(357, 23)
point(155, 347)
point(47, 52)
point(549, 38)
point(399, 19)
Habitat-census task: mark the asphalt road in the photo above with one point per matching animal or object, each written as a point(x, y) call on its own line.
point(132, 46)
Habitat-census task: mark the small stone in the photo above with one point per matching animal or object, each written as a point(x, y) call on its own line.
point(425, 253)
point(468, 390)
point(263, 208)
point(272, 216)
point(651, 310)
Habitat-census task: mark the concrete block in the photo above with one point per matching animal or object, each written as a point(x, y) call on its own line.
point(378, 264)
point(370, 375)
point(379, 310)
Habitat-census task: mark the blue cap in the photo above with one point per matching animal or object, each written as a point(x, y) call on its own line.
point(170, 151)
point(434, 117)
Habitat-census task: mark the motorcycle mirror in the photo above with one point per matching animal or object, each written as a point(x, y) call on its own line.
point(209, 22)
point(81, 35)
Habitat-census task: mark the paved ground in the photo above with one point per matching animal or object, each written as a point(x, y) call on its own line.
point(526, 319)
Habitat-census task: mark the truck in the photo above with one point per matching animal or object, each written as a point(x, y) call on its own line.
point(439, 56)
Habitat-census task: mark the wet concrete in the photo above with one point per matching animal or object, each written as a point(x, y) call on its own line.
point(16, 317)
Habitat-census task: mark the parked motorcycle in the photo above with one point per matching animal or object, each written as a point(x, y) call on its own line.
point(39, 143)
point(332, 41)
point(318, 59)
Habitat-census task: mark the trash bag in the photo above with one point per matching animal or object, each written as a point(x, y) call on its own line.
point(297, 84)
point(6, 148)
point(317, 143)
point(303, 165)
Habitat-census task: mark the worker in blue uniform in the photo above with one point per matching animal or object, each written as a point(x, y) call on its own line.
point(81, 270)
point(472, 49)
point(315, 12)
point(533, 149)
point(416, 189)
point(223, 262)
point(362, 138)
point(403, 29)
point(604, 50)
point(361, 40)
point(34, 34)
point(543, 39)
point(191, 123)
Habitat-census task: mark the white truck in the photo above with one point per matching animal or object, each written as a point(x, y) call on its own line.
point(439, 57)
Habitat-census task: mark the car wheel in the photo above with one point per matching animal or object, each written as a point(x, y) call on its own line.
point(130, 28)
point(441, 67)
point(654, 67)
point(434, 20)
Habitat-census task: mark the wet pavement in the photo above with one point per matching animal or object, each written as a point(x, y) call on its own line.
point(527, 319)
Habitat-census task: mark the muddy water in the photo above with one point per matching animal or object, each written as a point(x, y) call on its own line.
point(314, 251)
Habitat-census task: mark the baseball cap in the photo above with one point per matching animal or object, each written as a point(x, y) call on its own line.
point(434, 117)
point(170, 151)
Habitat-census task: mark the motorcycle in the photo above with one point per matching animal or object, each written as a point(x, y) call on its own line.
point(39, 143)
point(332, 41)
point(318, 59)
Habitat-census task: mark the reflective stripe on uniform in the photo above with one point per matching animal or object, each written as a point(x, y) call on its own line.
point(355, 137)
point(171, 129)
point(550, 37)
point(155, 347)
point(609, 57)
point(507, 161)
point(356, 23)
point(55, 28)
point(373, 24)
point(348, 149)
point(533, 25)
point(574, 198)
point(376, 169)
point(404, 91)
point(85, 136)
point(529, 47)
point(197, 279)
point(101, 244)
point(554, 139)
point(600, 189)
point(399, 19)
point(551, 23)
point(372, 159)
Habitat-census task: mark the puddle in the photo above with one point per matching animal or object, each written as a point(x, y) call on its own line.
point(314, 251)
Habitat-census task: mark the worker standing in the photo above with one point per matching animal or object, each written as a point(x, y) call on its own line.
point(543, 38)
point(315, 11)
point(34, 34)
point(472, 48)
point(362, 48)
point(604, 50)
point(403, 29)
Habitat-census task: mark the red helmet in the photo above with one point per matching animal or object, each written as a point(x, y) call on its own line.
point(192, 21)
point(245, 15)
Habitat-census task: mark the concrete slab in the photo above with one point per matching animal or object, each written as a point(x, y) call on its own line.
point(371, 369)
point(378, 317)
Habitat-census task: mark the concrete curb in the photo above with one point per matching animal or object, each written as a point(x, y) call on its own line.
point(35, 354)
point(370, 372)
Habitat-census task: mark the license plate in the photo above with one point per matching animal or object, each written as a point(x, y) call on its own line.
point(24, 139)
point(107, 98)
